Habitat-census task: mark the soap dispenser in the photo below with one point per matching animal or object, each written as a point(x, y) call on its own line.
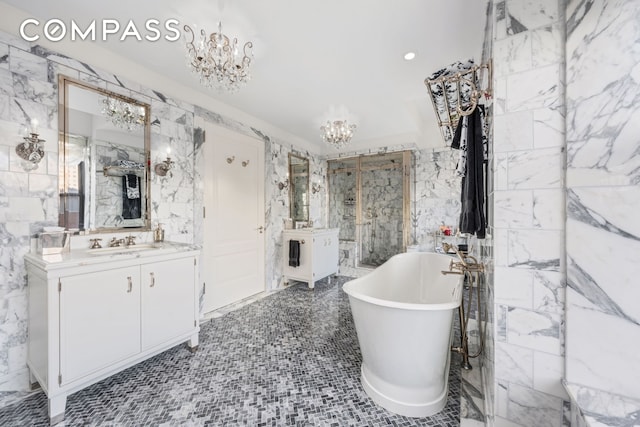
point(158, 234)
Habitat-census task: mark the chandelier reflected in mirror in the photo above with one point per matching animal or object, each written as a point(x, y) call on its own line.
point(337, 133)
point(123, 114)
point(218, 60)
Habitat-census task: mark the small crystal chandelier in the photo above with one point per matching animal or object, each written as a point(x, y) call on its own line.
point(218, 61)
point(122, 114)
point(337, 133)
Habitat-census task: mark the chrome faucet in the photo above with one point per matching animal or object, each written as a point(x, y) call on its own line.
point(130, 240)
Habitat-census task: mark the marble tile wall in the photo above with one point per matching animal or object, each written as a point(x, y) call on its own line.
point(435, 194)
point(28, 200)
point(527, 278)
point(603, 198)
point(382, 229)
point(342, 204)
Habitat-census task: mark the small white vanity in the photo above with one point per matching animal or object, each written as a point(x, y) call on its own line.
point(95, 312)
point(316, 257)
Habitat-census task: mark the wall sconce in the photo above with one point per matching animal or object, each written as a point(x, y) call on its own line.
point(164, 166)
point(284, 184)
point(31, 148)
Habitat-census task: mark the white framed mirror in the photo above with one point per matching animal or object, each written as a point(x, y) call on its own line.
point(104, 156)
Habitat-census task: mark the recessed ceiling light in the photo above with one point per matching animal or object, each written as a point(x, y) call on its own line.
point(409, 56)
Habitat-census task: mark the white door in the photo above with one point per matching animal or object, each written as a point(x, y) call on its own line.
point(233, 249)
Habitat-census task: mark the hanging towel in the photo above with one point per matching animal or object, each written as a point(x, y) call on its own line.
point(460, 142)
point(472, 214)
point(131, 200)
point(133, 186)
point(294, 253)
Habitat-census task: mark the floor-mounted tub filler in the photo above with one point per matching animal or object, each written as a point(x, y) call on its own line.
point(403, 313)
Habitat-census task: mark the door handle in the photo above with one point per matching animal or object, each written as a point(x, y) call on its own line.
point(260, 229)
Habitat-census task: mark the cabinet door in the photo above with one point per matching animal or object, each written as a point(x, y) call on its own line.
point(99, 320)
point(325, 255)
point(168, 300)
point(303, 271)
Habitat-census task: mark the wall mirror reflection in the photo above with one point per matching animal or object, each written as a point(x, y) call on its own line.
point(298, 188)
point(104, 159)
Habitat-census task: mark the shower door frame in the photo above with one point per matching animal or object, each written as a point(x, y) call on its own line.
point(405, 168)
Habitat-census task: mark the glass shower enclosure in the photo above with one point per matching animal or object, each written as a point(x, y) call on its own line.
point(369, 201)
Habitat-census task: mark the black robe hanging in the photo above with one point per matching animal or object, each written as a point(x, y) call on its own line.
point(472, 216)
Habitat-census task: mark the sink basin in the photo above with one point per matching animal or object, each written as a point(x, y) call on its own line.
point(124, 249)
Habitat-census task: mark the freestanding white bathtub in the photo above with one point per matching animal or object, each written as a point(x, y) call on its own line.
point(403, 313)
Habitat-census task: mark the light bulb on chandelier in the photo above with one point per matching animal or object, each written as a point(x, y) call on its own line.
point(218, 60)
point(337, 133)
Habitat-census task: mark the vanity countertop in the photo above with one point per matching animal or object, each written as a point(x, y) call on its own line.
point(85, 257)
point(312, 230)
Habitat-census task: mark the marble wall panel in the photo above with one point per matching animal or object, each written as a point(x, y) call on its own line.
point(514, 130)
point(436, 194)
point(513, 209)
point(513, 17)
point(548, 128)
point(603, 164)
point(528, 407)
point(528, 215)
point(514, 364)
point(535, 89)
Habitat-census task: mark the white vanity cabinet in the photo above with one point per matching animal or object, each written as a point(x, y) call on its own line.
point(99, 320)
point(318, 254)
point(93, 316)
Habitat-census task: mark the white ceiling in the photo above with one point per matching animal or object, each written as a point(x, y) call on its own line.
point(311, 58)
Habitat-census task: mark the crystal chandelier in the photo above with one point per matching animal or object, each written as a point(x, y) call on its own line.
point(122, 114)
point(337, 133)
point(219, 61)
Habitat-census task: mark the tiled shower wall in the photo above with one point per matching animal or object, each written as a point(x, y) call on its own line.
point(603, 201)
point(29, 200)
point(528, 213)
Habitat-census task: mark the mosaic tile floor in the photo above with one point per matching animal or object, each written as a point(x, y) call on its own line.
point(291, 358)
